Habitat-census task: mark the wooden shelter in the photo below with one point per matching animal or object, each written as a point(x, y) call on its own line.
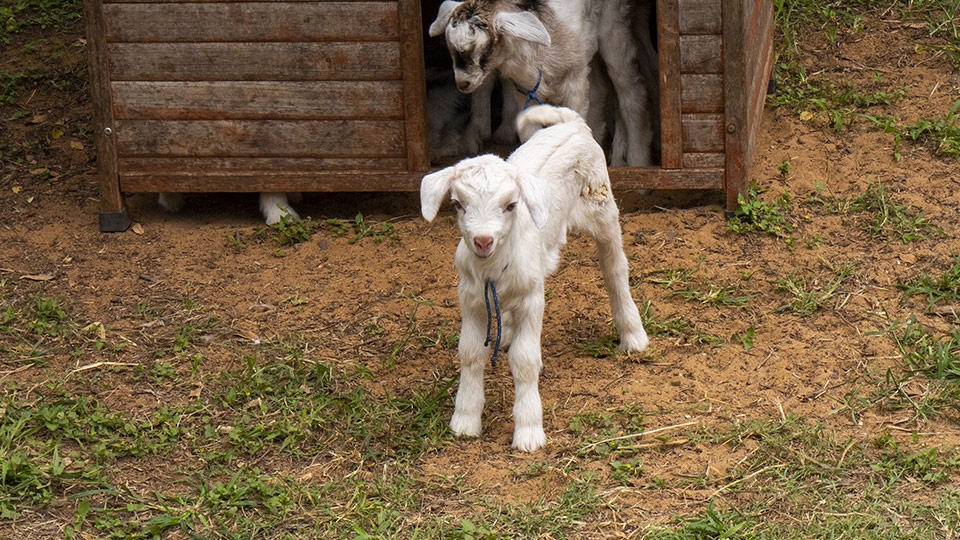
point(301, 95)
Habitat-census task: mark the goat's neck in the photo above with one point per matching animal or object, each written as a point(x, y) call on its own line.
point(523, 65)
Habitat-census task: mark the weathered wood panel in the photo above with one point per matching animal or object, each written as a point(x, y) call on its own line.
point(703, 133)
point(702, 93)
point(113, 216)
point(701, 17)
point(623, 178)
point(748, 57)
point(260, 138)
point(668, 38)
point(252, 22)
point(759, 66)
point(414, 87)
point(703, 160)
point(227, 166)
point(276, 180)
point(258, 99)
point(701, 54)
point(225, 1)
point(254, 61)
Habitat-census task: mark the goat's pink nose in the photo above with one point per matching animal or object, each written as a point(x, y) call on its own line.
point(483, 243)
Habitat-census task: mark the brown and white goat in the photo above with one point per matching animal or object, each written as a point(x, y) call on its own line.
point(545, 48)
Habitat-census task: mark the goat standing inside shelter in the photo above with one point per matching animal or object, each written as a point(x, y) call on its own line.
point(545, 48)
point(514, 216)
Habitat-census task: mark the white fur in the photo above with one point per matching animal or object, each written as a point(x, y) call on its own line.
point(273, 206)
point(514, 216)
point(560, 46)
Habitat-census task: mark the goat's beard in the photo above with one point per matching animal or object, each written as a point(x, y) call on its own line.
point(471, 83)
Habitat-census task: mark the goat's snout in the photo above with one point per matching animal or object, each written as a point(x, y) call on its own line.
point(483, 246)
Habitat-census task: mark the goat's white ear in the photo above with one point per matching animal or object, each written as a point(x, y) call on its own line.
point(433, 188)
point(533, 191)
point(439, 25)
point(522, 25)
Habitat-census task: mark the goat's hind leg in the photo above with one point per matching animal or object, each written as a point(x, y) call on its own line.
point(619, 51)
point(616, 279)
point(468, 406)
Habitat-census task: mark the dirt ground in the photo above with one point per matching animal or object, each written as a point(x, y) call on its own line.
point(332, 292)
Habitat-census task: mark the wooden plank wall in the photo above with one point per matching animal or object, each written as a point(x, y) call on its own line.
point(258, 95)
point(749, 29)
point(758, 31)
point(270, 95)
point(691, 100)
point(701, 83)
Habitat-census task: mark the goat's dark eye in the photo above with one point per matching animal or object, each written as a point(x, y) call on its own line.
point(457, 205)
point(510, 207)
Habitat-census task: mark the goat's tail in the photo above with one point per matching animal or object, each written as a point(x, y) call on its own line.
point(538, 117)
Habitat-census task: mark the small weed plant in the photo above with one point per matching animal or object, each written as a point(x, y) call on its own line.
point(290, 231)
point(753, 214)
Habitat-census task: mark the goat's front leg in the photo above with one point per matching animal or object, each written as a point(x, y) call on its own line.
point(506, 132)
point(478, 129)
point(525, 364)
point(468, 406)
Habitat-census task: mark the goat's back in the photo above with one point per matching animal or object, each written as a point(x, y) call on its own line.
point(561, 151)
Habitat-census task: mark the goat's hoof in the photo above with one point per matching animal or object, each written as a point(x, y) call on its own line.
point(529, 439)
point(635, 342)
point(272, 216)
point(464, 426)
point(171, 202)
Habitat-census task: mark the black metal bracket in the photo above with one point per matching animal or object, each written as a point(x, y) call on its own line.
point(115, 221)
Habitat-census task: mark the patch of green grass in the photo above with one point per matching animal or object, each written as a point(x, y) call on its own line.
point(384, 232)
point(603, 347)
point(936, 357)
point(719, 296)
point(945, 287)
point(807, 293)
point(680, 281)
point(926, 384)
point(942, 133)
point(888, 217)
point(891, 218)
point(676, 327)
point(794, 464)
point(16, 15)
point(31, 326)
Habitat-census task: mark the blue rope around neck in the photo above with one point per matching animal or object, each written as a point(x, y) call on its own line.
point(491, 287)
point(531, 94)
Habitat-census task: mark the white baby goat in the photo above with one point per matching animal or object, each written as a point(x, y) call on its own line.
point(514, 216)
point(545, 48)
point(273, 206)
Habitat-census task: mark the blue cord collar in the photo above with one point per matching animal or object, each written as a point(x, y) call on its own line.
point(531, 94)
point(491, 287)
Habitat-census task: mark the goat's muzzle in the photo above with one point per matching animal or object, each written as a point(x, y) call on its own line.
point(483, 246)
